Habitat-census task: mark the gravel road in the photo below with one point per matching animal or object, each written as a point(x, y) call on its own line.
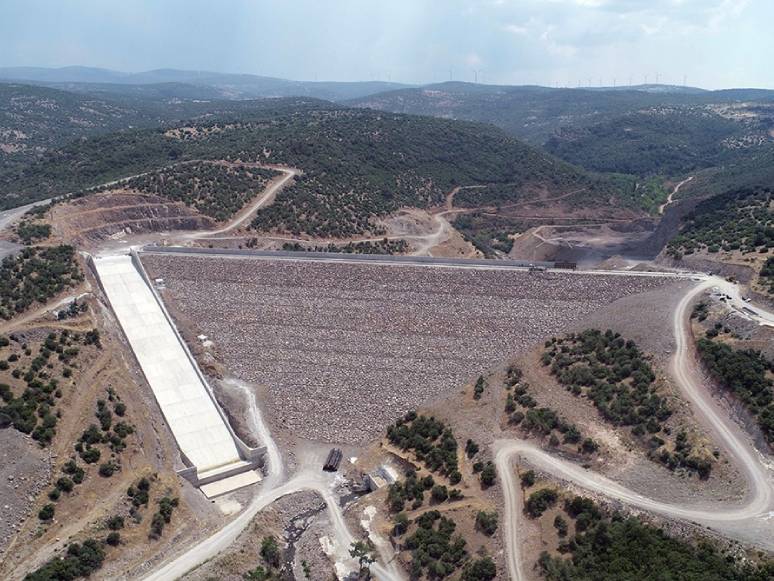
point(751, 521)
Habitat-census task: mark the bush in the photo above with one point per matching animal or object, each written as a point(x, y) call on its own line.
point(91, 455)
point(539, 501)
point(65, 484)
point(528, 479)
point(115, 523)
point(439, 493)
point(78, 561)
point(113, 539)
point(46, 513)
point(482, 569)
point(486, 522)
point(270, 551)
point(107, 469)
point(560, 524)
point(488, 475)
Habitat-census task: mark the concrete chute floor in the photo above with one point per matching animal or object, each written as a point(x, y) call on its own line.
point(197, 425)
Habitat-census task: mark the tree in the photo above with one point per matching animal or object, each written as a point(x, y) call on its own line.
point(488, 475)
point(113, 539)
point(539, 501)
point(46, 513)
point(486, 522)
point(528, 479)
point(270, 551)
point(482, 569)
point(560, 524)
point(363, 552)
point(439, 493)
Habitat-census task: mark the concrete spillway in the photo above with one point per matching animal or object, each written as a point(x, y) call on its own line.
point(217, 460)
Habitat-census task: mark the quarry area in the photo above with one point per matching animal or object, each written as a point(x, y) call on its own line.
point(374, 340)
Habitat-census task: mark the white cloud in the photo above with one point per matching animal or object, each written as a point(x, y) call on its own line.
point(516, 29)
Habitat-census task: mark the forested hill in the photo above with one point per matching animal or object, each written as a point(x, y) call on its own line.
point(667, 141)
point(627, 131)
point(531, 113)
point(36, 119)
point(357, 164)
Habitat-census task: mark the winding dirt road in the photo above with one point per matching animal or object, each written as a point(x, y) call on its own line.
point(264, 199)
point(670, 199)
point(309, 477)
point(750, 521)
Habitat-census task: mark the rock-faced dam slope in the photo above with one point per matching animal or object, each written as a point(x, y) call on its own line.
point(340, 349)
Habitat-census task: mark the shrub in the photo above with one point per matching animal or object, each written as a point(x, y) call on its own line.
point(488, 475)
point(482, 569)
point(560, 524)
point(439, 493)
point(115, 523)
point(270, 551)
point(113, 539)
point(46, 513)
point(107, 469)
point(486, 522)
point(539, 501)
point(528, 478)
point(65, 484)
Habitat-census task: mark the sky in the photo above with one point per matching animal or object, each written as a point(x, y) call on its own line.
point(706, 43)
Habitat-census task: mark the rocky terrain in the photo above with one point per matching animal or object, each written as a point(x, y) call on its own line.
point(376, 340)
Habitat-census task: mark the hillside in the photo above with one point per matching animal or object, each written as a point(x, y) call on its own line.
point(531, 113)
point(740, 220)
point(192, 84)
point(35, 119)
point(357, 164)
point(665, 140)
point(639, 130)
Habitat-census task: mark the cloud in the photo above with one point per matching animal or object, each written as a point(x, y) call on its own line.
point(516, 29)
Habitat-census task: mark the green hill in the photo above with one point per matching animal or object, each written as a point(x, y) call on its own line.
point(635, 131)
point(357, 164)
point(666, 141)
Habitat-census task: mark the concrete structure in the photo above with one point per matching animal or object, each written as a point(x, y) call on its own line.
point(209, 447)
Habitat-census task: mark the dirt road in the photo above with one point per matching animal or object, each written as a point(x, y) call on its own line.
point(670, 199)
point(750, 521)
point(308, 477)
point(249, 211)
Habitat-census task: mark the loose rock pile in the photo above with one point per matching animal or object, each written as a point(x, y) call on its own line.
point(345, 348)
point(24, 472)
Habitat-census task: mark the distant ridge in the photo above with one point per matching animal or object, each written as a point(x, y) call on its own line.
point(225, 85)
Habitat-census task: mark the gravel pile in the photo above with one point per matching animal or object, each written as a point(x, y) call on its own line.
point(343, 349)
